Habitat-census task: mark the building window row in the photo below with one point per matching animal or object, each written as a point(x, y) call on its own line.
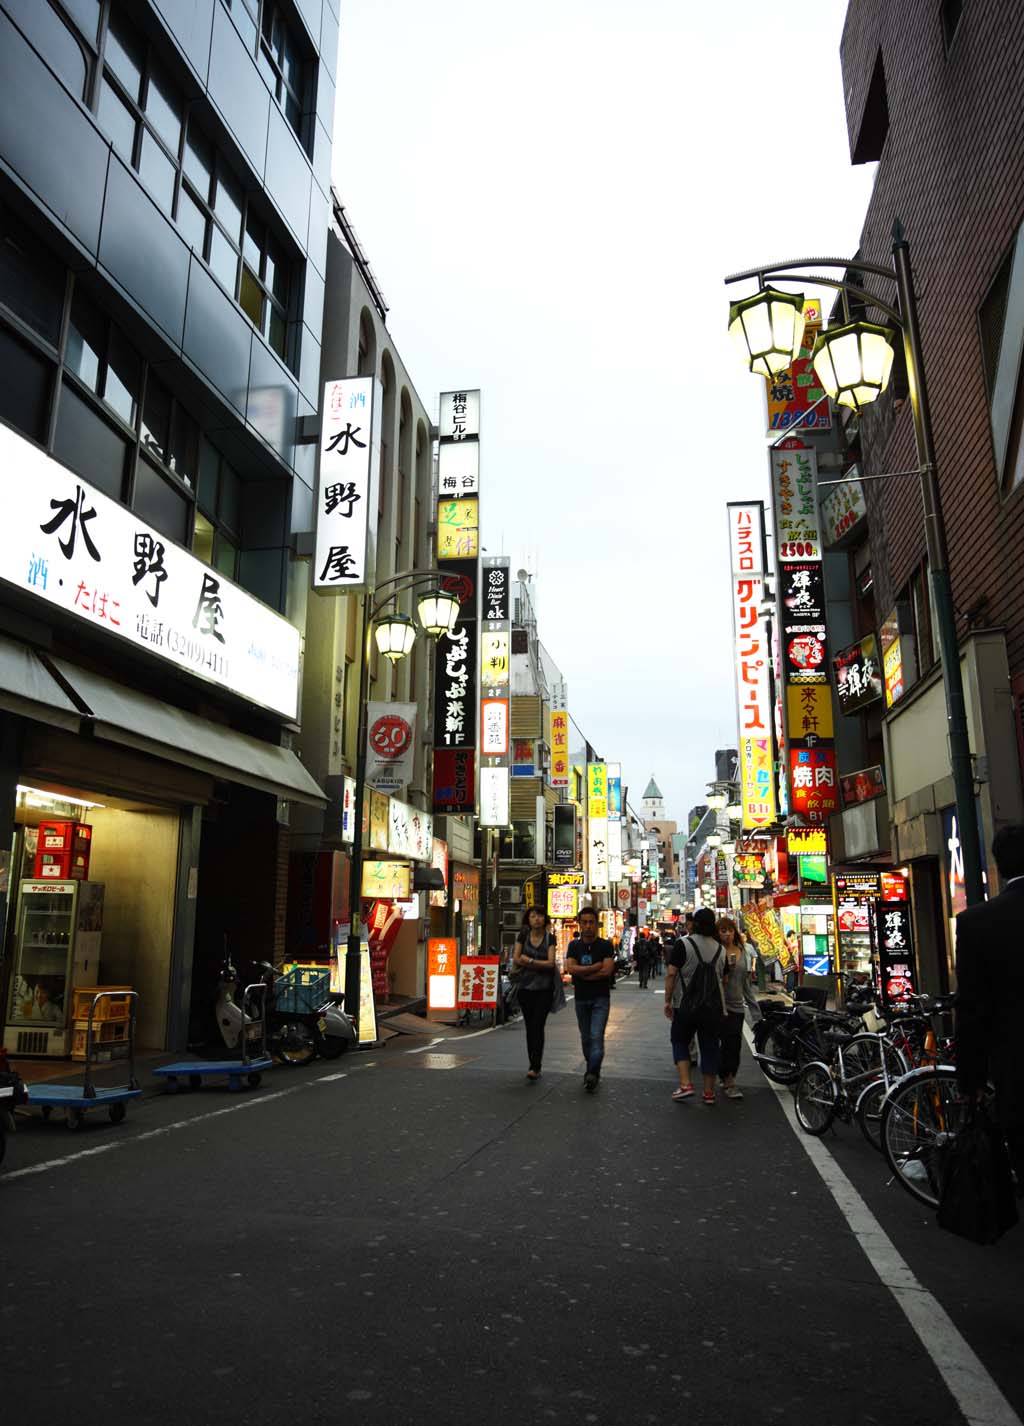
point(283, 57)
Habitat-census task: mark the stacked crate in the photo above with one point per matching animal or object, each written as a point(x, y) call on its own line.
point(110, 1023)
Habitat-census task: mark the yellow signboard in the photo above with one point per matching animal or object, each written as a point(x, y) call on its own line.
point(386, 881)
point(597, 790)
point(757, 781)
point(809, 711)
point(378, 820)
point(367, 1022)
point(494, 660)
point(563, 902)
point(558, 742)
point(807, 841)
point(458, 533)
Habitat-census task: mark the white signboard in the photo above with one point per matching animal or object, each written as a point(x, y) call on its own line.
point(458, 469)
point(410, 831)
point(842, 507)
point(390, 746)
point(348, 810)
point(494, 726)
point(598, 865)
point(494, 797)
point(614, 849)
point(343, 488)
point(66, 543)
point(459, 417)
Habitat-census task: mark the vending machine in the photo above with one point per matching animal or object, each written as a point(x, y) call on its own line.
point(57, 946)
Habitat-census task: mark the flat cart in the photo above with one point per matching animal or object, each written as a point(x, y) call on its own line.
point(78, 1100)
point(254, 1058)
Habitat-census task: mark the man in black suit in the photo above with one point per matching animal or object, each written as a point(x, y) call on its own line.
point(989, 960)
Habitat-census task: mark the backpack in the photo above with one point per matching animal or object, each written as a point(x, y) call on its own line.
point(703, 997)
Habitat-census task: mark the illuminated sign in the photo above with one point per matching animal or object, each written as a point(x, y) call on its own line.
point(442, 973)
point(349, 445)
point(386, 881)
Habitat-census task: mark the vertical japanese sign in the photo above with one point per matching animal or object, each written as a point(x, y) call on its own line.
point(456, 659)
point(597, 826)
point(753, 702)
point(349, 446)
point(495, 685)
point(442, 973)
point(558, 739)
point(795, 395)
point(614, 822)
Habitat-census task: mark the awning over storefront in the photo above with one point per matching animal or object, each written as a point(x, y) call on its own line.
point(126, 716)
point(27, 688)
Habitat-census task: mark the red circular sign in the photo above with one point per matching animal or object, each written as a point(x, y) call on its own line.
point(806, 652)
point(390, 736)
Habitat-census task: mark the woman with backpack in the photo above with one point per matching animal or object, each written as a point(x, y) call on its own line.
point(695, 1003)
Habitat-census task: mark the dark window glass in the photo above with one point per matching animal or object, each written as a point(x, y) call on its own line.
point(55, 42)
point(87, 341)
point(86, 443)
point(223, 260)
point(25, 388)
point(250, 298)
point(227, 557)
point(198, 161)
point(293, 111)
point(118, 120)
point(124, 54)
point(278, 334)
point(163, 108)
point(86, 15)
point(209, 467)
point(158, 502)
point(228, 202)
point(230, 497)
point(157, 172)
point(191, 221)
point(121, 386)
point(184, 456)
point(202, 538)
point(156, 419)
point(277, 272)
point(31, 283)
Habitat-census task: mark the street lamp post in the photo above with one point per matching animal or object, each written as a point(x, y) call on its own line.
point(438, 613)
point(853, 362)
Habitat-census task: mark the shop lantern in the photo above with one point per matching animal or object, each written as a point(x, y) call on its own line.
point(395, 635)
point(438, 611)
point(768, 330)
point(853, 362)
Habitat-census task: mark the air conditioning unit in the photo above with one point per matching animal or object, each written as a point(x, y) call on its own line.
point(510, 895)
point(510, 920)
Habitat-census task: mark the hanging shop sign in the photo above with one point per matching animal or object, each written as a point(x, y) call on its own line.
point(805, 657)
point(390, 746)
point(813, 782)
point(478, 982)
point(459, 416)
point(794, 492)
point(386, 881)
point(494, 658)
point(375, 813)
point(458, 469)
point(614, 789)
point(496, 590)
point(458, 528)
point(801, 595)
point(807, 841)
point(439, 862)
point(495, 675)
point(410, 831)
point(757, 786)
point(614, 849)
point(558, 742)
point(748, 869)
point(567, 878)
point(349, 454)
point(899, 653)
point(65, 543)
point(895, 939)
point(466, 888)
point(454, 780)
point(598, 860)
point(442, 973)
point(563, 902)
point(493, 727)
point(750, 652)
point(809, 709)
point(862, 786)
point(795, 395)
point(494, 797)
point(843, 507)
point(597, 790)
point(858, 673)
point(456, 665)
point(348, 809)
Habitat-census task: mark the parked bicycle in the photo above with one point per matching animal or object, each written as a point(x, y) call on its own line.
point(838, 1087)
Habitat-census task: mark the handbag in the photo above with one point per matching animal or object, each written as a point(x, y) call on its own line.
point(557, 993)
point(976, 1199)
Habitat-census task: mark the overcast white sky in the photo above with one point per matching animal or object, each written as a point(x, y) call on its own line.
point(550, 194)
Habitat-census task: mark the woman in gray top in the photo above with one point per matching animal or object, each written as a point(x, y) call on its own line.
point(534, 956)
point(739, 996)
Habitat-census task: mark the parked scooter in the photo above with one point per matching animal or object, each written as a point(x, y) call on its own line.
point(308, 1025)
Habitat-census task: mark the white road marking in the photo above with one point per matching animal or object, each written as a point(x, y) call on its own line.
point(420, 1048)
point(969, 1383)
point(164, 1129)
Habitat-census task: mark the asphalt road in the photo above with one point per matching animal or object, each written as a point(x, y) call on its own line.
point(421, 1234)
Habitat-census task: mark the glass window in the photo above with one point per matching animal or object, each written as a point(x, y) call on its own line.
point(191, 221)
point(198, 160)
point(254, 242)
point(31, 283)
point(156, 418)
point(86, 15)
point(209, 467)
point(228, 202)
point(202, 538)
point(278, 334)
point(86, 443)
point(250, 297)
point(124, 54)
point(117, 119)
point(223, 259)
point(267, 67)
point(163, 108)
point(157, 172)
point(160, 504)
point(227, 557)
point(25, 389)
point(230, 497)
point(121, 387)
point(87, 340)
point(56, 43)
point(244, 16)
point(184, 456)
point(292, 110)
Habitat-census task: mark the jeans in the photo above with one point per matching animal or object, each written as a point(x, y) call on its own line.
point(592, 1017)
point(535, 1005)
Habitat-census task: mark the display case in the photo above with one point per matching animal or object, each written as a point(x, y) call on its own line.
point(57, 946)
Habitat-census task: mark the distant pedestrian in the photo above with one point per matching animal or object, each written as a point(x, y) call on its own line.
point(695, 1003)
point(654, 950)
point(739, 996)
point(590, 961)
point(534, 956)
point(643, 960)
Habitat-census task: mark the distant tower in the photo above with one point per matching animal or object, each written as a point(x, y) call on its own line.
point(653, 803)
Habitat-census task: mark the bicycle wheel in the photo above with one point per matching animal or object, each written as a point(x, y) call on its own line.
point(815, 1098)
point(919, 1116)
point(869, 1112)
point(863, 1058)
point(776, 1048)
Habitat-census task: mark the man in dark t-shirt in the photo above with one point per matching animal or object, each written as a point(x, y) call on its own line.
point(591, 963)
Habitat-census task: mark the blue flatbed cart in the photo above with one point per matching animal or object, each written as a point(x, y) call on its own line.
point(249, 1067)
point(78, 1100)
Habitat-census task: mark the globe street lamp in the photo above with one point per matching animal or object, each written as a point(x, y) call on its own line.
point(854, 360)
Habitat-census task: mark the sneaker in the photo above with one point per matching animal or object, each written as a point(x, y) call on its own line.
point(685, 1091)
point(732, 1091)
point(590, 1082)
point(709, 1096)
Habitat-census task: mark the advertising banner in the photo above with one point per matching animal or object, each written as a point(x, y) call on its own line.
point(843, 507)
point(439, 862)
point(563, 902)
point(349, 453)
point(746, 566)
point(794, 492)
point(793, 392)
point(597, 790)
point(390, 746)
point(454, 780)
point(858, 673)
point(558, 742)
point(386, 881)
point(807, 841)
point(863, 786)
point(809, 710)
point(495, 682)
point(478, 982)
point(813, 782)
point(458, 528)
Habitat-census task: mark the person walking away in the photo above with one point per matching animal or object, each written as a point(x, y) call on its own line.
point(695, 1003)
point(739, 996)
point(590, 962)
point(654, 949)
point(643, 961)
point(534, 956)
point(988, 940)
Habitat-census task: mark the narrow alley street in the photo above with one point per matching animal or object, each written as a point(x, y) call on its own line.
point(419, 1232)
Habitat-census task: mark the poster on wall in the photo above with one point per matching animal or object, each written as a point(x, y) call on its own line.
point(390, 746)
